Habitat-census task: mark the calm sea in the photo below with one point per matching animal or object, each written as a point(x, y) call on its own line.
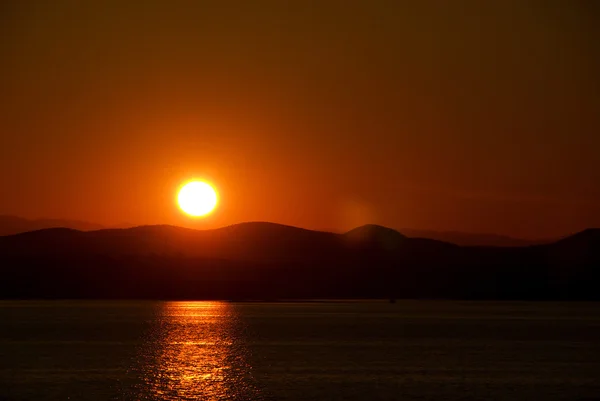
point(411, 350)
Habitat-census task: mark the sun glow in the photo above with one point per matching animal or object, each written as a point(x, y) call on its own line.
point(197, 198)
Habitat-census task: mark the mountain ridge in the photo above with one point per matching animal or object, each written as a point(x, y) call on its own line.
point(259, 260)
point(10, 225)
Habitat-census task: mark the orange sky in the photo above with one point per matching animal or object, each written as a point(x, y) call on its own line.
point(438, 115)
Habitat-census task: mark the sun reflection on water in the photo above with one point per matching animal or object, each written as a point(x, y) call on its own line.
point(196, 352)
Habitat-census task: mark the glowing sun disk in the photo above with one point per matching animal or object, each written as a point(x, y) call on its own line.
point(197, 198)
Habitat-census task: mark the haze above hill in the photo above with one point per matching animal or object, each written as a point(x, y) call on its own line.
point(10, 225)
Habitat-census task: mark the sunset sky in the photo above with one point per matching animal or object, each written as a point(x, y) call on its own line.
point(477, 116)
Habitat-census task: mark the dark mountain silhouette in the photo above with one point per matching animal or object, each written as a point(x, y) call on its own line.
point(10, 225)
point(374, 235)
point(272, 261)
point(260, 242)
point(472, 239)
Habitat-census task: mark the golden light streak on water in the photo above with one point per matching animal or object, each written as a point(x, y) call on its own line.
point(196, 352)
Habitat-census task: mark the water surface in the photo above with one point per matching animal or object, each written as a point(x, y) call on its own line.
point(411, 350)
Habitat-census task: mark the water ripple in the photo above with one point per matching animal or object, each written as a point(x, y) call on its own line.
point(196, 351)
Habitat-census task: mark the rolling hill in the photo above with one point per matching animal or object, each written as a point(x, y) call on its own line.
point(271, 261)
point(10, 225)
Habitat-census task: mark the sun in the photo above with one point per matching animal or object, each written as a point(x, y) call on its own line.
point(197, 198)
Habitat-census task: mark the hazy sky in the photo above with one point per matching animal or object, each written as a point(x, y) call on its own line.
point(448, 115)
